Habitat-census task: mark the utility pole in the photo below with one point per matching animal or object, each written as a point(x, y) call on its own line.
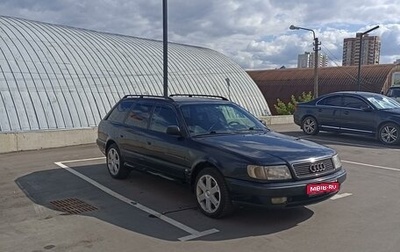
point(165, 48)
point(316, 63)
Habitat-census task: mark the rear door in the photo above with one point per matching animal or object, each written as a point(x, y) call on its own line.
point(329, 111)
point(135, 135)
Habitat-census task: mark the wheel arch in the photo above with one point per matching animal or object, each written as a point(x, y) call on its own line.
point(383, 123)
point(387, 121)
point(109, 143)
point(197, 168)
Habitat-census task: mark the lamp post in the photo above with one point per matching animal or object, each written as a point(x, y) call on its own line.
point(316, 49)
point(165, 48)
point(359, 56)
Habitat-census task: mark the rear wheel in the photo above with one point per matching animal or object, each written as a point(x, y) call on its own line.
point(389, 133)
point(115, 163)
point(310, 126)
point(212, 194)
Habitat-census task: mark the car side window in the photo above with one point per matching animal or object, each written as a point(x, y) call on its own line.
point(162, 118)
point(331, 101)
point(119, 112)
point(353, 102)
point(139, 115)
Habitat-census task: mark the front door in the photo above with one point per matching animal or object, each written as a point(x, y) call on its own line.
point(356, 117)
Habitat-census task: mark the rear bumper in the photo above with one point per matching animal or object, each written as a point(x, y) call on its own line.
point(260, 194)
point(102, 145)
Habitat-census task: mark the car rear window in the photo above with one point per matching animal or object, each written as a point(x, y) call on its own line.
point(119, 112)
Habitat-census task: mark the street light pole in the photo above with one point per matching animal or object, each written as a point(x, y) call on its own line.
point(316, 56)
point(165, 48)
point(359, 56)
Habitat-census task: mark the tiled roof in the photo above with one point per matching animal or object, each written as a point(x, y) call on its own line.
point(283, 83)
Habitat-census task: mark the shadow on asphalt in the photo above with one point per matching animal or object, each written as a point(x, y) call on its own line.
point(173, 199)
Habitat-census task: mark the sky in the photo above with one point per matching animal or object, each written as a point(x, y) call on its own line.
point(253, 33)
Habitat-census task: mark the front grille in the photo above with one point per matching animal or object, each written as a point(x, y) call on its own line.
point(303, 170)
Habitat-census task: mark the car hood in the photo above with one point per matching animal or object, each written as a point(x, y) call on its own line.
point(394, 111)
point(264, 145)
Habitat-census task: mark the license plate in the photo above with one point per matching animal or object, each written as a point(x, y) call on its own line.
point(319, 188)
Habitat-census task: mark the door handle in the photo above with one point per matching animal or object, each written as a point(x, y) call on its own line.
point(346, 112)
point(148, 143)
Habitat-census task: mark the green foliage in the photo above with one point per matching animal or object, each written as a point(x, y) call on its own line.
point(288, 109)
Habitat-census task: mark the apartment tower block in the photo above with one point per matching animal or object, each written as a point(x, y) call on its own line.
point(371, 49)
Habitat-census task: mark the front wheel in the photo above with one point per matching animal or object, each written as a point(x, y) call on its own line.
point(212, 194)
point(389, 134)
point(115, 163)
point(310, 126)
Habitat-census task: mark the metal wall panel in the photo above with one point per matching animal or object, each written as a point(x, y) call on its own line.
point(58, 77)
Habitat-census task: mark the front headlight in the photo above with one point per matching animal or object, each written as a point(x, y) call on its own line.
point(275, 172)
point(336, 162)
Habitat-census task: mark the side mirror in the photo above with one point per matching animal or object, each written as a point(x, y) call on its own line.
point(174, 130)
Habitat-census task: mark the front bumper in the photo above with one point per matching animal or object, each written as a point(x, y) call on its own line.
point(260, 194)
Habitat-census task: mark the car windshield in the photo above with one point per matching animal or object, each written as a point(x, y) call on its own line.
point(383, 102)
point(219, 118)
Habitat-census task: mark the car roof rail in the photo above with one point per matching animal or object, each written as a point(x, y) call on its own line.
point(200, 95)
point(146, 96)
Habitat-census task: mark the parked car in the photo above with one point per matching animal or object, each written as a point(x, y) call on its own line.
point(394, 92)
point(226, 154)
point(362, 113)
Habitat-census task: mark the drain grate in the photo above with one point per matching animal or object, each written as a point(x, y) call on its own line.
point(72, 206)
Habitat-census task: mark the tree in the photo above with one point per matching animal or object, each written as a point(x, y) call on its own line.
point(288, 109)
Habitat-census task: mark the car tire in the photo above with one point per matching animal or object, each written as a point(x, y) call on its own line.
point(115, 163)
point(212, 194)
point(310, 126)
point(389, 133)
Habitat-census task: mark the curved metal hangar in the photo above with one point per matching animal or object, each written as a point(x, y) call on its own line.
point(226, 154)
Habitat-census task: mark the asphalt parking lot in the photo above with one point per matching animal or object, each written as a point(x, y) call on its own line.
point(149, 213)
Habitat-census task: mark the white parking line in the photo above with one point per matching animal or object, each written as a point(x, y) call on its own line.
point(373, 166)
point(193, 233)
point(341, 195)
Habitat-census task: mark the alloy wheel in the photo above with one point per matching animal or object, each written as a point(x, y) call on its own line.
point(113, 161)
point(208, 193)
point(389, 134)
point(310, 126)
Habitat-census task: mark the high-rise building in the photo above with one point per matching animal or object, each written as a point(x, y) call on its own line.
point(307, 60)
point(371, 50)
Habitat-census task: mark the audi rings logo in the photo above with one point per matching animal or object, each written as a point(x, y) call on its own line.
point(317, 167)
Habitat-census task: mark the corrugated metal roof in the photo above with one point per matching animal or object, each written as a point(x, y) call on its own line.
point(283, 83)
point(58, 77)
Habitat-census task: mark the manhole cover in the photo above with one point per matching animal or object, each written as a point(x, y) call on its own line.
point(72, 206)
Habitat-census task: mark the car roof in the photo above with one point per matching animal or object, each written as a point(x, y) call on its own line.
point(361, 93)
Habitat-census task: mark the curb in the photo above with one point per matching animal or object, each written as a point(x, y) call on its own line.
point(36, 140)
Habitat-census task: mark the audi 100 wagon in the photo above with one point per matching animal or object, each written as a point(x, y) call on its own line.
point(225, 153)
